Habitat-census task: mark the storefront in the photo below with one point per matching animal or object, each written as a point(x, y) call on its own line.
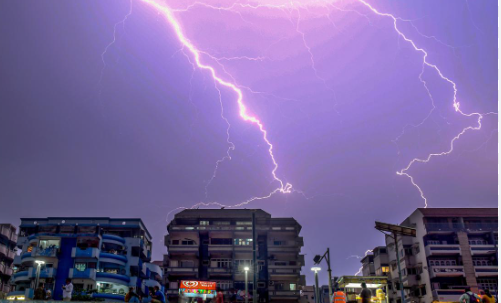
point(189, 291)
point(352, 286)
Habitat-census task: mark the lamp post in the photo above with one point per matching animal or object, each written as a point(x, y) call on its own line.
point(246, 269)
point(316, 270)
point(37, 277)
point(327, 257)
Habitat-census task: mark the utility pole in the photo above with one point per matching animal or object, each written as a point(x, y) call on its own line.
point(399, 270)
point(327, 256)
point(254, 261)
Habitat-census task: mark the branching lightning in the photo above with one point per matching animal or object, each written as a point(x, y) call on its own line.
point(455, 103)
point(284, 187)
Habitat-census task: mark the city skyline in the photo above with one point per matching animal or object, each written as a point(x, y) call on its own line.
point(104, 115)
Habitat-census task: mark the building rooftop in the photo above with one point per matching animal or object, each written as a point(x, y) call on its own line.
point(225, 213)
point(459, 212)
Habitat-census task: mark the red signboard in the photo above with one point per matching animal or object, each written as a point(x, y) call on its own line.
point(198, 285)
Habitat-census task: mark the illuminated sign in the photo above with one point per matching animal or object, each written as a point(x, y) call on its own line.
point(198, 285)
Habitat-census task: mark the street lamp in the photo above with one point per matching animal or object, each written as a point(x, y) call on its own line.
point(394, 231)
point(246, 269)
point(37, 278)
point(316, 270)
point(327, 257)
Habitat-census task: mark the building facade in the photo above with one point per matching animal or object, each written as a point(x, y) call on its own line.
point(102, 256)
point(454, 248)
point(216, 245)
point(376, 263)
point(8, 239)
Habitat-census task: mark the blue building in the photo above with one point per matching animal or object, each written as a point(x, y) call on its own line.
point(102, 255)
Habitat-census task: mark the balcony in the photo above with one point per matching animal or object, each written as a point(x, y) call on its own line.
point(155, 269)
point(220, 248)
point(90, 252)
point(183, 249)
point(3, 250)
point(283, 248)
point(486, 271)
point(89, 273)
point(8, 271)
point(284, 294)
point(472, 227)
point(44, 273)
point(482, 249)
point(20, 276)
point(49, 252)
point(283, 272)
point(10, 254)
point(113, 278)
point(113, 239)
point(446, 271)
point(6, 232)
point(182, 270)
point(442, 249)
point(213, 271)
point(112, 258)
point(447, 295)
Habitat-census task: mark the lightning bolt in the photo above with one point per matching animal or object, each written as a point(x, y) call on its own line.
point(455, 103)
point(284, 187)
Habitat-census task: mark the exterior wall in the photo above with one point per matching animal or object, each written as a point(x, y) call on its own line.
point(8, 239)
point(216, 245)
point(96, 253)
point(453, 248)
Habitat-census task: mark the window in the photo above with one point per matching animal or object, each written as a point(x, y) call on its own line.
point(487, 283)
point(204, 222)
point(244, 223)
point(224, 285)
point(434, 242)
point(290, 228)
point(276, 228)
point(279, 242)
point(279, 286)
point(188, 242)
point(242, 241)
point(221, 263)
point(385, 269)
point(187, 263)
point(221, 241)
point(280, 263)
point(222, 223)
point(292, 286)
point(80, 266)
point(175, 242)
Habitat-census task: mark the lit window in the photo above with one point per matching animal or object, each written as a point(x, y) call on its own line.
point(244, 223)
point(204, 222)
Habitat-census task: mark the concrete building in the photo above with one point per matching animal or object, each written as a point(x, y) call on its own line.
point(454, 248)
point(102, 254)
point(216, 245)
point(376, 262)
point(8, 239)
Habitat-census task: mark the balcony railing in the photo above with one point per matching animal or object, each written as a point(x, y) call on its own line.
point(182, 269)
point(3, 250)
point(284, 293)
point(6, 232)
point(446, 271)
point(90, 252)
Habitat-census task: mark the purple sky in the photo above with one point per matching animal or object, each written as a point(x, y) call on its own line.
point(140, 135)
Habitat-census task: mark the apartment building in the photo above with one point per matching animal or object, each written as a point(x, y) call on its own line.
point(454, 248)
point(8, 239)
point(376, 262)
point(216, 245)
point(99, 254)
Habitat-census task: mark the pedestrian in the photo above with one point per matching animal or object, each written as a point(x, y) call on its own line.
point(48, 295)
point(67, 290)
point(366, 294)
point(219, 296)
point(488, 297)
point(469, 297)
point(39, 294)
point(131, 296)
point(233, 297)
point(157, 296)
point(338, 296)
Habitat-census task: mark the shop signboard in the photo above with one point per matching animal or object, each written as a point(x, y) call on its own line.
point(203, 289)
